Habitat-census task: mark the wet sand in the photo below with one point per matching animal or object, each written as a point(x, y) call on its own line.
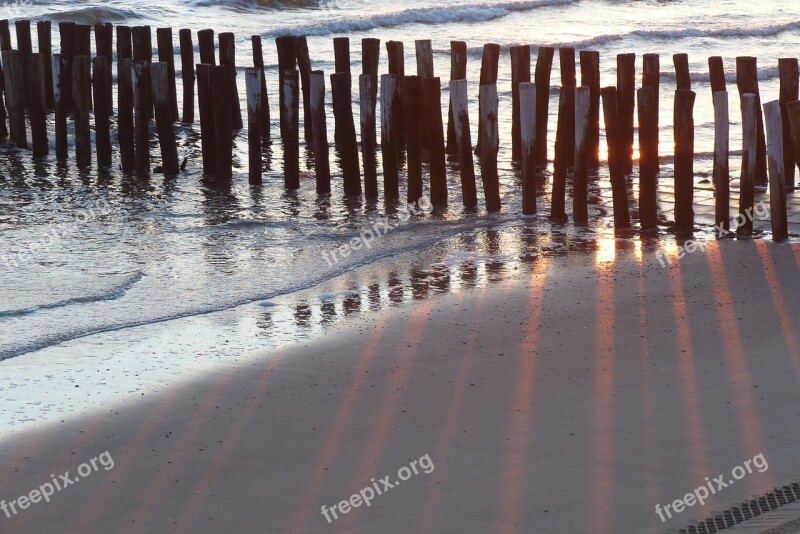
point(573, 399)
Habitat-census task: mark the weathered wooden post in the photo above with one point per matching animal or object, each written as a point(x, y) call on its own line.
point(716, 71)
point(39, 140)
point(104, 42)
point(564, 152)
point(162, 99)
point(647, 101)
point(83, 40)
point(205, 106)
point(25, 47)
point(684, 159)
point(458, 71)
point(5, 35)
point(580, 194)
point(566, 60)
point(682, 78)
point(651, 77)
point(223, 122)
point(432, 102)
point(793, 117)
point(617, 154)
point(777, 184)
point(258, 62)
point(206, 46)
point(489, 67)
point(66, 32)
point(370, 58)
point(527, 117)
point(44, 30)
point(626, 107)
point(59, 81)
point(544, 66)
point(304, 64)
point(287, 61)
point(81, 89)
point(788, 70)
point(125, 119)
point(459, 103)
point(188, 76)
point(341, 54)
point(346, 143)
point(368, 134)
point(15, 96)
point(252, 80)
point(143, 51)
point(747, 82)
point(424, 52)
point(590, 77)
point(489, 146)
point(520, 72)
point(413, 117)
point(749, 161)
point(396, 56)
point(141, 90)
point(722, 187)
point(102, 110)
point(166, 54)
point(320, 125)
point(227, 58)
point(290, 96)
point(389, 132)
point(124, 43)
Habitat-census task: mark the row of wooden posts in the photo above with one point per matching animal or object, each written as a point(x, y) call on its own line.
point(72, 83)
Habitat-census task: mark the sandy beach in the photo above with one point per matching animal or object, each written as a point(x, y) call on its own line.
point(574, 398)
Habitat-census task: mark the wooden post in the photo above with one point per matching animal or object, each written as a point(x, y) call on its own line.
point(626, 108)
point(651, 77)
point(590, 77)
point(389, 132)
point(489, 146)
point(44, 30)
point(749, 161)
point(166, 54)
point(66, 32)
point(527, 111)
point(124, 43)
point(290, 95)
point(206, 46)
point(104, 45)
point(370, 58)
point(520, 72)
point(459, 104)
point(205, 105)
point(162, 99)
point(252, 81)
point(341, 53)
point(565, 152)
point(258, 62)
point(25, 47)
point(125, 119)
point(424, 51)
point(544, 66)
point(3, 115)
point(617, 155)
point(489, 66)
point(83, 40)
point(143, 51)
point(368, 133)
point(141, 112)
point(59, 81)
point(583, 114)
point(223, 122)
point(15, 96)
point(793, 117)
point(39, 140)
point(346, 143)
point(788, 70)
point(102, 110)
point(458, 71)
point(566, 60)
point(682, 78)
point(777, 183)
point(188, 76)
point(722, 187)
point(81, 89)
point(5, 35)
point(647, 101)
point(414, 120)
point(432, 102)
point(747, 82)
point(684, 159)
point(287, 61)
point(304, 64)
point(394, 50)
point(227, 58)
point(319, 122)
point(716, 71)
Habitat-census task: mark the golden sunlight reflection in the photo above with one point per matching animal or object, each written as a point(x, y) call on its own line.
point(606, 252)
point(637, 250)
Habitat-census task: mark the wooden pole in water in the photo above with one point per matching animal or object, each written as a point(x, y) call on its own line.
point(389, 133)
point(459, 103)
point(15, 96)
point(104, 44)
point(458, 71)
point(143, 51)
point(162, 99)
point(66, 32)
point(287, 61)
point(205, 105)
point(722, 187)
point(223, 122)
point(370, 58)
point(424, 52)
point(188, 77)
point(777, 183)
point(258, 62)
point(102, 110)
point(368, 135)
point(651, 77)
point(206, 46)
point(38, 115)
point(141, 131)
point(647, 101)
point(5, 35)
point(489, 67)
point(414, 126)
point(626, 108)
point(489, 146)
point(319, 121)
point(527, 117)
point(683, 79)
point(227, 59)
point(747, 82)
point(788, 69)
point(617, 154)
point(564, 152)
point(124, 43)
point(432, 102)
point(83, 40)
point(304, 64)
point(59, 82)
point(544, 66)
point(520, 72)
point(346, 143)
point(684, 159)
point(590, 77)
point(166, 54)
point(749, 161)
point(793, 117)
point(25, 47)
point(566, 60)
point(716, 71)
point(252, 82)
point(290, 115)
point(81, 89)
point(341, 54)
point(44, 30)
point(125, 119)
point(583, 114)
point(397, 67)
point(3, 115)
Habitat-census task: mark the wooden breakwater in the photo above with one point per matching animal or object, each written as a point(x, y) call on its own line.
point(76, 85)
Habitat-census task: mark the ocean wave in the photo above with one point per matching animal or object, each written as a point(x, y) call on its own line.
point(430, 15)
point(91, 15)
